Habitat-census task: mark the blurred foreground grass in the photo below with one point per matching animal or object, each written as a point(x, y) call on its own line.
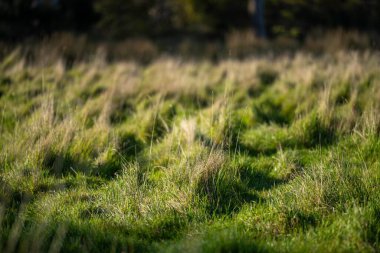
point(270, 153)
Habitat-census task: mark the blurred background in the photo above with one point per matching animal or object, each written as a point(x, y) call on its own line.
point(143, 29)
point(152, 18)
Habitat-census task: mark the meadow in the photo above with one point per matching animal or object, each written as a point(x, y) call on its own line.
point(271, 152)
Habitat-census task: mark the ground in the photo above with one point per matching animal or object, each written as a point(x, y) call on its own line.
point(270, 153)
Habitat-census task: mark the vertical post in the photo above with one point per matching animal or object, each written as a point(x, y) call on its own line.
point(258, 18)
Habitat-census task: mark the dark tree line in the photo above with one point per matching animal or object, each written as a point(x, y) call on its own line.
point(120, 18)
point(21, 18)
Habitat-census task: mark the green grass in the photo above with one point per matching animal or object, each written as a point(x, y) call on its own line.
point(269, 154)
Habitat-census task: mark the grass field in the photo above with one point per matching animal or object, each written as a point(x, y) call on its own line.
point(270, 153)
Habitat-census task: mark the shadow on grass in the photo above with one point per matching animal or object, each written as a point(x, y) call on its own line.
point(268, 139)
point(227, 194)
point(300, 220)
point(63, 164)
point(59, 164)
point(255, 152)
point(260, 181)
point(372, 233)
point(226, 199)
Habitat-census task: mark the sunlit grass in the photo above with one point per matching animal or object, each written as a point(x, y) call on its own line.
point(267, 154)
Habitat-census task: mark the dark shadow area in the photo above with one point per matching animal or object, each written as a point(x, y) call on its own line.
point(61, 165)
point(319, 139)
point(225, 197)
point(91, 93)
point(194, 101)
point(255, 152)
point(10, 198)
point(372, 233)
point(317, 132)
point(299, 220)
point(64, 164)
point(85, 237)
point(309, 132)
point(267, 76)
point(274, 107)
point(259, 180)
point(5, 83)
point(121, 110)
point(161, 123)
point(241, 244)
point(12, 206)
point(130, 146)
